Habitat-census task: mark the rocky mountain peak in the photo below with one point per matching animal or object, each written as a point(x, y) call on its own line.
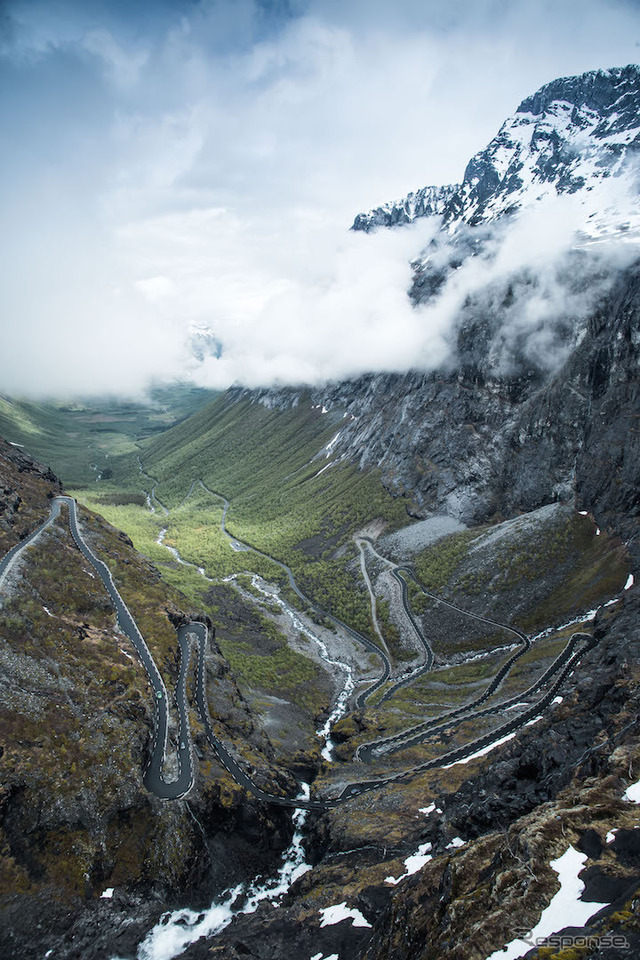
point(598, 90)
point(426, 202)
point(567, 137)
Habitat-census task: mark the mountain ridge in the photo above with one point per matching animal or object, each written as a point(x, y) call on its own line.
point(539, 146)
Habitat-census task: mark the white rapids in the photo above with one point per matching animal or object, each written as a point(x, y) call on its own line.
point(175, 931)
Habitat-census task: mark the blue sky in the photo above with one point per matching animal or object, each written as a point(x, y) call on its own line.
point(166, 165)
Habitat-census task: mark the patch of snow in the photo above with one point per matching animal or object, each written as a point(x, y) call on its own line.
point(610, 603)
point(565, 906)
point(108, 893)
point(482, 752)
point(329, 447)
point(611, 835)
point(583, 513)
point(427, 810)
point(333, 915)
point(630, 582)
point(48, 612)
point(413, 863)
point(597, 531)
point(632, 793)
point(557, 700)
point(563, 626)
point(455, 843)
point(319, 956)
point(530, 723)
point(326, 467)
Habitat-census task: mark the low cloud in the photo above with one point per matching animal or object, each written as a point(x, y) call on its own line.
point(340, 311)
point(343, 306)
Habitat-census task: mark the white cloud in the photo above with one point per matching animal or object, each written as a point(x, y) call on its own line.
point(201, 163)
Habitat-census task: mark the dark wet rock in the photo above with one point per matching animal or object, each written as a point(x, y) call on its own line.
point(77, 930)
point(601, 887)
point(591, 843)
point(274, 935)
point(626, 846)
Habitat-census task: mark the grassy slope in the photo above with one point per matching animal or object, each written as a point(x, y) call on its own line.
point(71, 437)
point(267, 463)
point(264, 462)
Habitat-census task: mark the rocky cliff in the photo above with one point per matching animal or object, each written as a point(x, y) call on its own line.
point(426, 202)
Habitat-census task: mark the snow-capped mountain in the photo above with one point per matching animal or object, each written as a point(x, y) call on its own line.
point(572, 135)
point(427, 202)
point(202, 341)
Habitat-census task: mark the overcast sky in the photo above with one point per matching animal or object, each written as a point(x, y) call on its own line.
point(178, 163)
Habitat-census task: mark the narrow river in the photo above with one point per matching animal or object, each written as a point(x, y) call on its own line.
point(175, 931)
point(340, 708)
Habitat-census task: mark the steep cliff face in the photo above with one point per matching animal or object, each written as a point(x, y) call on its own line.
point(26, 488)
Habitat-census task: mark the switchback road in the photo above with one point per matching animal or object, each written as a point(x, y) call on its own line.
point(196, 632)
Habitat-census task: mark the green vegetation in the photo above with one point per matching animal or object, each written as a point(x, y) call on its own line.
point(539, 574)
point(264, 462)
point(289, 498)
point(390, 632)
point(78, 440)
point(436, 566)
point(279, 670)
point(78, 728)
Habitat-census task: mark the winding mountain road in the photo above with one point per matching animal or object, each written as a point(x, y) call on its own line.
point(196, 632)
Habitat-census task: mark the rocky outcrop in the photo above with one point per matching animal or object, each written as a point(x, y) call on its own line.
point(26, 486)
point(426, 202)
